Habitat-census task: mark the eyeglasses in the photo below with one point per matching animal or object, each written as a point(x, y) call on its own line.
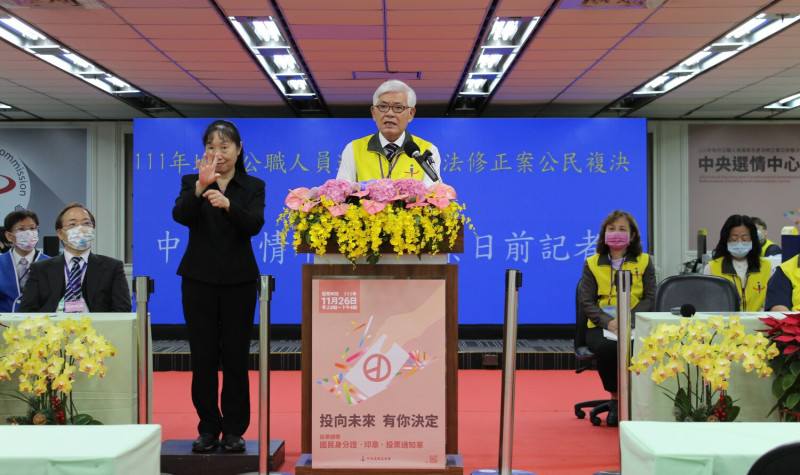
point(23, 228)
point(72, 224)
point(397, 109)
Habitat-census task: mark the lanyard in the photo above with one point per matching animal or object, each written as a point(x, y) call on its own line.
point(395, 159)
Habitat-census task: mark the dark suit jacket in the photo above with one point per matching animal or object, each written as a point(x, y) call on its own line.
point(219, 250)
point(104, 286)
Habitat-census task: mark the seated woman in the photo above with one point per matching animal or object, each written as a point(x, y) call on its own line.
point(619, 247)
point(737, 258)
point(783, 290)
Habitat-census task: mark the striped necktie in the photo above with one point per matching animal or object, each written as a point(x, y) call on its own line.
point(74, 285)
point(22, 271)
point(391, 150)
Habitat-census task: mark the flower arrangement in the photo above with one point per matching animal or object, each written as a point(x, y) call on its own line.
point(48, 355)
point(403, 214)
point(672, 351)
point(785, 333)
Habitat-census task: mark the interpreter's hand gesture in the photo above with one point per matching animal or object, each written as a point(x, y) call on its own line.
point(208, 170)
point(217, 199)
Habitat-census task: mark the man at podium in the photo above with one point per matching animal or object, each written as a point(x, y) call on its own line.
point(391, 152)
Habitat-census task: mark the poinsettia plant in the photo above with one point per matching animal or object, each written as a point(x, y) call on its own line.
point(404, 214)
point(785, 332)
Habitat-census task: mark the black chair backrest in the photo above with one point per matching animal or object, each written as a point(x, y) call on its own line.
point(580, 319)
point(784, 459)
point(708, 293)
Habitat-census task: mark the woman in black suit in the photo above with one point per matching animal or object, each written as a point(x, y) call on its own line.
point(223, 207)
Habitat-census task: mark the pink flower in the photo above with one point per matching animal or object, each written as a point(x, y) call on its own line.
point(297, 197)
point(440, 190)
point(373, 207)
point(412, 188)
point(338, 210)
point(382, 191)
point(336, 190)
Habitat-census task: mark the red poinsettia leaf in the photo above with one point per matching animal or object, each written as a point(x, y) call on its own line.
point(790, 349)
point(771, 321)
point(784, 338)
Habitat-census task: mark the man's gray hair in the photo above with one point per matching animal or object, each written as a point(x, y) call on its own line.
point(393, 85)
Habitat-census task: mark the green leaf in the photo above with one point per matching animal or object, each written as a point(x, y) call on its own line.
point(795, 367)
point(792, 400)
point(788, 381)
point(82, 419)
point(732, 412)
point(777, 388)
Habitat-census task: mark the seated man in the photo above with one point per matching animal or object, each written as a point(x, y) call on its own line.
point(23, 233)
point(76, 281)
point(783, 289)
point(768, 248)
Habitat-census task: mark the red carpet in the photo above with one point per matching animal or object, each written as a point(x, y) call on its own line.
point(548, 438)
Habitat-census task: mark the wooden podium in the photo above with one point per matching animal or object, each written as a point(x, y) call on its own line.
point(430, 267)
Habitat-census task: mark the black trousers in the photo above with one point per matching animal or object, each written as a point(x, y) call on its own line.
point(219, 320)
point(606, 351)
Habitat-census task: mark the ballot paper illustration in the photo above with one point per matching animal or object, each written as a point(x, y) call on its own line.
point(375, 370)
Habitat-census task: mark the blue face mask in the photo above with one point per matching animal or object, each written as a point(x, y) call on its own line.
point(760, 236)
point(739, 249)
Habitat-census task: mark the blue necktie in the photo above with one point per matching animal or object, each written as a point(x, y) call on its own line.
point(74, 284)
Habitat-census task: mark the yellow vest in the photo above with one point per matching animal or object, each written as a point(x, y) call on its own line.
point(792, 272)
point(602, 271)
point(767, 244)
point(371, 163)
point(755, 283)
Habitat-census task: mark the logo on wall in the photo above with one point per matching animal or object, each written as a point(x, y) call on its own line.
point(15, 184)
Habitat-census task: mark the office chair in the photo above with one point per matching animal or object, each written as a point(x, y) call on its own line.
point(585, 358)
point(708, 293)
point(783, 459)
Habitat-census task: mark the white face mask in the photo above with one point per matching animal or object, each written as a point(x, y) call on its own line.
point(26, 240)
point(80, 237)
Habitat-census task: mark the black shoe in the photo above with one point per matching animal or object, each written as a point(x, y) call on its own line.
point(205, 443)
point(612, 420)
point(233, 443)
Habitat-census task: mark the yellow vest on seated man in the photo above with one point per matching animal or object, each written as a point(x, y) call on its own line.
point(600, 265)
point(371, 163)
point(755, 283)
point(791, 269)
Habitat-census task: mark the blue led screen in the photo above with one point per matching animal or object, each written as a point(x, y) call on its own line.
point(535, 189)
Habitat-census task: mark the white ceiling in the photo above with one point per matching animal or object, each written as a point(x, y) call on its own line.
point(580, 61)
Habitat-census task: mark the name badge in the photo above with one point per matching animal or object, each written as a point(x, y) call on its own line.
point(74, 306)
point(611, 310)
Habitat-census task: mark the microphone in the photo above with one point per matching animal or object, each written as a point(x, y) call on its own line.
point(412, 150)
point(688, 310)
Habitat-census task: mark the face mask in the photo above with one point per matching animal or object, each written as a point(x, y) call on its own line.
point(80, 237)
point(618, 240)
point(739, 249)
point(26, 240)
point(760, 237)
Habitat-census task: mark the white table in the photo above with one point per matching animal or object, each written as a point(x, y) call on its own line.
point(699, 448)
point(85, 450)
point(751, 393)
point(112, 399)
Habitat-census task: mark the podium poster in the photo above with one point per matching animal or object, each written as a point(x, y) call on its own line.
point(378, 396)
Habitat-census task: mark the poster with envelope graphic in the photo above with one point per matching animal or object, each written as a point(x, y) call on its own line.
point(378, 396)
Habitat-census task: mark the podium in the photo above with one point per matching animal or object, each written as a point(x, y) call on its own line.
point(333, 289)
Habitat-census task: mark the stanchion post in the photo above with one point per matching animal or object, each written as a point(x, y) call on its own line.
point(513, 283)
point(143, 287)
point(624, 338)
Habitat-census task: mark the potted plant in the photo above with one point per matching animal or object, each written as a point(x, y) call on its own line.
point(785, 333)
point(699, 355)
